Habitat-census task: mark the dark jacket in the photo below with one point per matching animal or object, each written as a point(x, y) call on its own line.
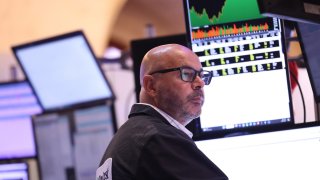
point(148, 147)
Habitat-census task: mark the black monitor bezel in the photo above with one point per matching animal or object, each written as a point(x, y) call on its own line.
point(292, 10)
point(58, 38)
point(195, 126)
point(306, 59)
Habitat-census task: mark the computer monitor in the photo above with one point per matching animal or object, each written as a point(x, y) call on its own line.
point(17, 105)
point(293, 10)
point(309, 37)
point(63, 71)
point(250, 90)
point(289, 154)
point(14, 171)
point(70, 143)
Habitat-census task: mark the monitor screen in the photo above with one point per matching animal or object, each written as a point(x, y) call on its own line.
point(309, 37)
point(17, 105)
point(63, 71)
point(289, 154)
point(14, 171)
point(250, 90)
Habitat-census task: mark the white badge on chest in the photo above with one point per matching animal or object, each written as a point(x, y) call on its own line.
point(104, 172)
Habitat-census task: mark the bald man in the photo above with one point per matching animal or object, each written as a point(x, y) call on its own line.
point(154, 143)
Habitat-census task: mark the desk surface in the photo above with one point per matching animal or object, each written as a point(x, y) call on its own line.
point(290, 154)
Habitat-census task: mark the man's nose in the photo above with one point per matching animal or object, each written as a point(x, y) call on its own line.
point(198, 83)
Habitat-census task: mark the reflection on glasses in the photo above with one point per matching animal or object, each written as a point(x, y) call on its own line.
point(189, 74)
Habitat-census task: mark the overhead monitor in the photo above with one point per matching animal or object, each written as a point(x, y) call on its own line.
point(309, 37)
point(14, 171)
point(294, 10)
point(250, 91)
point(63, 71)
point(17, 105)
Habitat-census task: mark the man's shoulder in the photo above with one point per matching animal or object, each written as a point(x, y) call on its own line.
point(140, 128)
point(145, 118)
point(139, 109)
point(145, 126)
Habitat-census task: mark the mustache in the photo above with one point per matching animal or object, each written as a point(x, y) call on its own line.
point(196, 94)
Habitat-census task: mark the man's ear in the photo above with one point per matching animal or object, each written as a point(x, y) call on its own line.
point(149, 85)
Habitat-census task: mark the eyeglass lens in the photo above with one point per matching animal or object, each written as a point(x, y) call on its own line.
point(188, 74)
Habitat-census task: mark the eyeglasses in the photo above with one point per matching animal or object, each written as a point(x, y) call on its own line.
point(189, 74)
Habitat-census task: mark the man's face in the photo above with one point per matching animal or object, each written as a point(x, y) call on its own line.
point(182, 100)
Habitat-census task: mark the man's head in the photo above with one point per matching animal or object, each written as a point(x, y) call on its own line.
point(166, 82)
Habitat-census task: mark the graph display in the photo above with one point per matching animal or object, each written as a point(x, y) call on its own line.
point(236, 28)
point(209, 12)
point(245, 52)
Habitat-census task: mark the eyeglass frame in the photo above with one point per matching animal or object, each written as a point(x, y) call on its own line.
point(196, 73)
